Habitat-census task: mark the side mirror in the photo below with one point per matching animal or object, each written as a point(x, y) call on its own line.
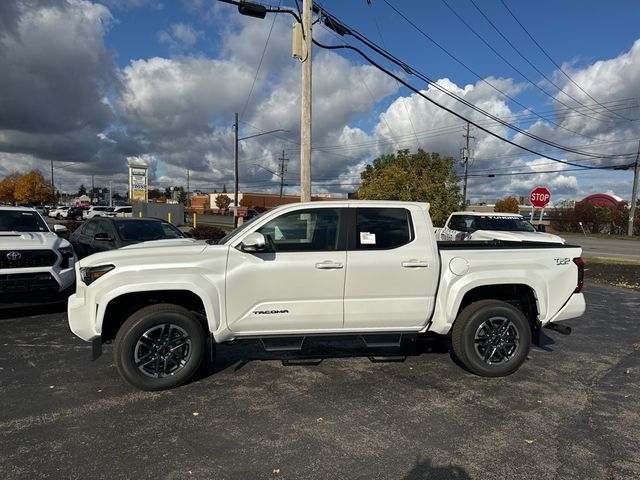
point(59, 229)
point(102, 237)
point(541, 228)
point(254, 242)
point(188, 234)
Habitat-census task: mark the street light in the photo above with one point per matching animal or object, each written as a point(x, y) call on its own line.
point(235, 161)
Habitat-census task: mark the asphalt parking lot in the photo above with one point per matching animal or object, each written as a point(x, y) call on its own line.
point(571, 412)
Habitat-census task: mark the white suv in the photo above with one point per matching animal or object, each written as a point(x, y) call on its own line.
point(94, 211)
point(35, 264)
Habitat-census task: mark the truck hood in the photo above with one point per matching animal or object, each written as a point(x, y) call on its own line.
point(31, 241)
point(515, 236)
point(157, 252)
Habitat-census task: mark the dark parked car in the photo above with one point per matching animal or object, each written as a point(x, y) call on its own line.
point(99, 234)
point(75, 213)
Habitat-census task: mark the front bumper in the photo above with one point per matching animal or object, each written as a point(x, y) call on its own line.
point(81, 318)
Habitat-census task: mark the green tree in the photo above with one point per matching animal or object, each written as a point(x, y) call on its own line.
point(420, 176)
point(32, 188)
point(507, 205)
point(222, 201)
point(82, 190)
point(182, 197)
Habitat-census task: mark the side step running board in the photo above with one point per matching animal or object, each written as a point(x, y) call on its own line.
point(284, 344)
point(382, 340)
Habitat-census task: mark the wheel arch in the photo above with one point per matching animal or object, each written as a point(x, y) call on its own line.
point(521, 296)
point(120, 308)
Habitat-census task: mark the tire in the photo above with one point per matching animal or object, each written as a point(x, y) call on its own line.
point(174, 344)
point(491, 338)
point(58, 216)
point(78, 218)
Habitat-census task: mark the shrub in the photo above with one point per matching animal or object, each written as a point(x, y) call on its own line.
point(207, 232)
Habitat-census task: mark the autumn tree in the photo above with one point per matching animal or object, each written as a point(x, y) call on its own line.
point(420, 176)
point(222, 201)
point(507, 205)
point(32, 188)
point(8, 187)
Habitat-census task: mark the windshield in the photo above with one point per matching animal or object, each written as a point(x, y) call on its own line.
point(21, 221)
point(140, 230)
point(504, 223)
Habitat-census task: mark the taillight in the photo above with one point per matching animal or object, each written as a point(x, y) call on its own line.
point(580, 263)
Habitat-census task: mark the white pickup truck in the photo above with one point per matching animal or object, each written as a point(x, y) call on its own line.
point(364, 268)
point(492, 226)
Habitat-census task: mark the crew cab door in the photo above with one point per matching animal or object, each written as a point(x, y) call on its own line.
point(297, 282)
point(392, 269)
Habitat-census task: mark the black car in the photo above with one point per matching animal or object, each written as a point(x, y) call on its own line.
point(99, 234)
point(75, 213)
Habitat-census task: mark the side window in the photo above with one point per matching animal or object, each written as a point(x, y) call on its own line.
point(309, 230)
point(383, 228)
point(89, 229)
point(104, 227)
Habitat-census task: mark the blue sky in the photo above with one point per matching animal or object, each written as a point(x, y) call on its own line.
point(157, 82)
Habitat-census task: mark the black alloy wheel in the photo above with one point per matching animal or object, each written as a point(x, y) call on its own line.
point(491, 338)
point(159, 347)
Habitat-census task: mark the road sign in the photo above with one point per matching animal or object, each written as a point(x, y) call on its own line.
point(539, 197)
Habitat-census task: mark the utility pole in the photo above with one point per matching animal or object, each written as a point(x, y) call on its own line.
point(305, 106)
point(466, 154)
point(93, 187)
point(188, 195)
point(283, 169)
point(53, 187)
point(235, 167)
point(634, 193)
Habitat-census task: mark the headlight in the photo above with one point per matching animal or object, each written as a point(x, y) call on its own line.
point(67, 253)
point(91, 274)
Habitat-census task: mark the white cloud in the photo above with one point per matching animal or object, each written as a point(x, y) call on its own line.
point(180, 36)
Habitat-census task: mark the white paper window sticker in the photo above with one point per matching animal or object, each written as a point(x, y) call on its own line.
point(367, 238)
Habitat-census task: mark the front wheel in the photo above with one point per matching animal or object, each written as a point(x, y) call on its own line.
point(159, 347)
point(491, 338)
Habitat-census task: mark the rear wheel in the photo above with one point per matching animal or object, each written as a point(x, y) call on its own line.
point(159, 347)
point(491, 338)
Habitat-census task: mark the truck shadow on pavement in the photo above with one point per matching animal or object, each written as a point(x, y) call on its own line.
point(315, 351)
point(16, 310)
point(240, 353)
point(425, 470)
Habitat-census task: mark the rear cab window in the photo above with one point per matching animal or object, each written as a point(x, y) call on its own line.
point(382, 228)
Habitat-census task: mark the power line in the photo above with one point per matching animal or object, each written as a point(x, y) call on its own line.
point(555, 63)
point(266, 44)
point(410, 70)
point(336, 47)
point(415, 72)
point(511, 65)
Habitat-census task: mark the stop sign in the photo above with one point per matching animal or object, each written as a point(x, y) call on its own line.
point(539, 197)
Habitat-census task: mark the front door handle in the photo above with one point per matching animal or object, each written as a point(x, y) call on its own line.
point(328, 265)
point(415, 264)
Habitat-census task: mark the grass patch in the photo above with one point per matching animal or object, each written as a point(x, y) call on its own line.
point(610, 261)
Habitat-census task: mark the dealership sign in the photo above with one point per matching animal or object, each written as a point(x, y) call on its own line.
point(138, 183)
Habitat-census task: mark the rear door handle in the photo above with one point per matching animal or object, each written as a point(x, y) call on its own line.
point(328, 265)
point(415, 264)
